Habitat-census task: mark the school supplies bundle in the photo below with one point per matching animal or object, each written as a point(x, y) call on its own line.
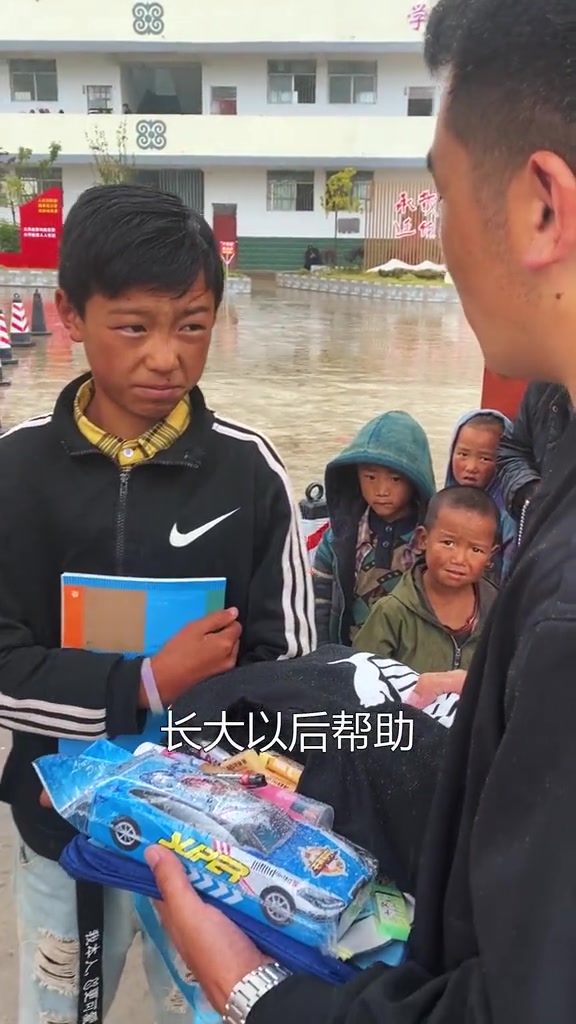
point(296, 888)
point(246, 851)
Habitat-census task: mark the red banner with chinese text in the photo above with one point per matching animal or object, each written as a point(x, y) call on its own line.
point(40, 233)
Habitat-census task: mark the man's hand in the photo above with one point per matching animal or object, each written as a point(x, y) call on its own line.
point(201, 649)
point(432, 685)
point(217, 953)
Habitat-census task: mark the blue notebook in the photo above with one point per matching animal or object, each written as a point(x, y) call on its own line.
point(135, 617)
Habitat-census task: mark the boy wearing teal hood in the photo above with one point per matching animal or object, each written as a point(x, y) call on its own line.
point(377, 492)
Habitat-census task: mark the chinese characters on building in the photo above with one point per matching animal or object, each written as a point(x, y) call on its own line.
point(418, 16)
point(407, 208)
point(309, 731)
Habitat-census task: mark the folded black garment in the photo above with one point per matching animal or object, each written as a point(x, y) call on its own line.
point(376, 759)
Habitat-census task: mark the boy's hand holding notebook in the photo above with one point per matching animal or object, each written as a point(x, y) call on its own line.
point(199, 650)
point(181, 625)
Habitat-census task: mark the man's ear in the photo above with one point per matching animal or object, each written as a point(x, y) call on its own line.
point(551, 201)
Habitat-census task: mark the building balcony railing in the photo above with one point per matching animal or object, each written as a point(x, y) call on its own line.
point(233, 25)
point(203, 141)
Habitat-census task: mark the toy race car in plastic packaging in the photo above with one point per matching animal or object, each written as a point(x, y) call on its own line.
point(235, 847)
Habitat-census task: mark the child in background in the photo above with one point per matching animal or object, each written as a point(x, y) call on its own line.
point(473, 464)
point(377, 492)
point(433, 619)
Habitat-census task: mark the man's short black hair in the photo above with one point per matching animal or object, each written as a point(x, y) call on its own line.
point(469, 499)
point(118, 237)
point(512, 67)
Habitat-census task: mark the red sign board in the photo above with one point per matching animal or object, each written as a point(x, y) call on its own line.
point(41, 228)
point(502, 393)
point(228, 252)
point(40, 233)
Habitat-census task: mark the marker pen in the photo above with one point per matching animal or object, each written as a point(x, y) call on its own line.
point(252, 780)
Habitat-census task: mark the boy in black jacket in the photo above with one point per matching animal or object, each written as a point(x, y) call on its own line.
point(494, 938)
point(131, 475)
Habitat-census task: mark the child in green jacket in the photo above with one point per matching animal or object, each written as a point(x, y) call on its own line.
point(434, 617)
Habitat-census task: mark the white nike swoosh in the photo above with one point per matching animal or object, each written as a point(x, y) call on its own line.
point(180, 540)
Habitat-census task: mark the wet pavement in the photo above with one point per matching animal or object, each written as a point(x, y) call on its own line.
point(308, 370)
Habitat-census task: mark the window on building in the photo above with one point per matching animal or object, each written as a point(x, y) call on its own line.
point(33, 80)
point(420, 101)
point(352, 81)
point(99, 99)
point(223, 99)
point(291, 81)
point(35, 181)
point(360, 185)
point(290, 191)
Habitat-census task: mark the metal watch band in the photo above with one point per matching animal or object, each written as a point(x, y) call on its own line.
point(250, 989)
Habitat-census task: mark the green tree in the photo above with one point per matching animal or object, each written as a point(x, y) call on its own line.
point(13, 170)
point(111, 168)
point(340, 197)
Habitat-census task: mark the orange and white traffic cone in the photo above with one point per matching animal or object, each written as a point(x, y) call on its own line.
point(19, 327)
point(6, 357)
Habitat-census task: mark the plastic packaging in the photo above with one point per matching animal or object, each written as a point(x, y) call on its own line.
point(215, 755)
point(297, 806)
point(301, 807)
point(282, 766)
point(236, 846)
point(285, 774)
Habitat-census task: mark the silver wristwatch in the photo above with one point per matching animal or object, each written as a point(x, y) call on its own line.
point(249, 990)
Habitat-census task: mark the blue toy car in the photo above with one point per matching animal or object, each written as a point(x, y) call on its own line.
point(236, 847)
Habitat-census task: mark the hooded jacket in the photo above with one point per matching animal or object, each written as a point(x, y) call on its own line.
point(508, 528)
point(494, 937)
point(403, 626)
point(394, 440)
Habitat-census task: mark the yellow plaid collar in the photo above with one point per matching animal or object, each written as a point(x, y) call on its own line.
point(129, 453)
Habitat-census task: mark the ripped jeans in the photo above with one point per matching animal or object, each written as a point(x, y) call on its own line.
point(45, 899)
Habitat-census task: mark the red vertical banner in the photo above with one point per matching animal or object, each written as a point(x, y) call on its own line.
point(41, 230)
point(502, 393)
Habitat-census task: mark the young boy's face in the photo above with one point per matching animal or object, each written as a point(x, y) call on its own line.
point(458, 547)
point(389, 494)
point(145, 350)
point(474, 458)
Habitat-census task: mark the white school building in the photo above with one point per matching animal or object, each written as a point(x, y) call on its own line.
point(241, 107)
